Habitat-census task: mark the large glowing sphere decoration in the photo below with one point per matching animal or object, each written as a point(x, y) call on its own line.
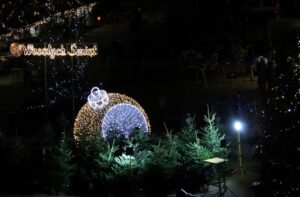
point(112, 112)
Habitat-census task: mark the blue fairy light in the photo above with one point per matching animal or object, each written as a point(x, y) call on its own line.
point(123, 118)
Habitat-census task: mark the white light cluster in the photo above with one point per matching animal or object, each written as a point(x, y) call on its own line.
point(98, 98)
point(123, 118)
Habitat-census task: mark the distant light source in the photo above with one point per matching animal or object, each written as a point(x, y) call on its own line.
point(238, 126)
point(98, 18)
point(215, 160)
point(16, 49)
point(262, 58)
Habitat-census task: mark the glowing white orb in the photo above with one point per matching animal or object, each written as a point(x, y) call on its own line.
point(238, 125)
point(98, 98)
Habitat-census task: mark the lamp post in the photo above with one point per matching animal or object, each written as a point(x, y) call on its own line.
point(238, 126)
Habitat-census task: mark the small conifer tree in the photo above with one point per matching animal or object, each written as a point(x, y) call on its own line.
point(62, 168)
point(212, 137)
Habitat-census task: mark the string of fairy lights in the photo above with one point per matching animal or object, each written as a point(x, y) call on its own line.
point(54, 22)
point(123, 119)
point(63, 73)
point(280, 142)
point(58, 17)
point(290, 92)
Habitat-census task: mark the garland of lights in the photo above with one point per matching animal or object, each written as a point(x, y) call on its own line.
point(120, 113)
point(280, 136)
point(46, 20)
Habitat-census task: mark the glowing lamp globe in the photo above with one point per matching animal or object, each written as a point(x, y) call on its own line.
point(238, 126)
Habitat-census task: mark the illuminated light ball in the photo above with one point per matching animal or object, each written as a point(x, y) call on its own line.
point(238, 126)
point(98, 18)
point(122, 114)
point(124, 118)
point(16, 49)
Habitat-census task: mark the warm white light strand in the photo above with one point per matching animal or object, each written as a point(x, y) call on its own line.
point(46, 20)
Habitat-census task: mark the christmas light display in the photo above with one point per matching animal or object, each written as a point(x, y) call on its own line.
point(123, 118)
point(98, 98)
point(279, 147)
point(30, 50)
point(66, 76)
point(34, 26)
point(122, 113)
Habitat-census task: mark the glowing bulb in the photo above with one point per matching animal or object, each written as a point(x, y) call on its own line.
point(238, 126)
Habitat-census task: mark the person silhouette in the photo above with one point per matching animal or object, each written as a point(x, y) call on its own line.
point(261, 69)
point(187, 120)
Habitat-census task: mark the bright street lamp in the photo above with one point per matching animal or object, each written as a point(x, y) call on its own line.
point(238, 126)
